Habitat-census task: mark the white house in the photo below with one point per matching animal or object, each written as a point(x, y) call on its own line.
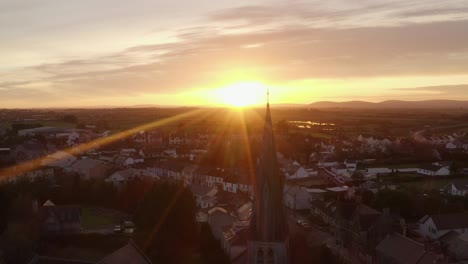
point(451, 146)
point(230, 187)
point(339, 169)
point(296, 198)
point(433, 170)
point(121, 177)
point(176, 140)
point(435, 226)
point(351, 165)
point(205, 196)
point(456, 188)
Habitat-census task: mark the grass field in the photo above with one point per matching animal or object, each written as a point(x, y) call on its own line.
point(94, 218)
point(57, 123)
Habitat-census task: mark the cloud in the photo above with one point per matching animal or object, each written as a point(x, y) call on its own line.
point(441, 91)
point(288, 48)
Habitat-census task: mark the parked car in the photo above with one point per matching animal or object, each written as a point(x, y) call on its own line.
point(117, 229)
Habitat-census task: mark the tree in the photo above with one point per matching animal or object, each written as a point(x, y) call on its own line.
point(167, 209)
point(211, 251)
point(70, 119)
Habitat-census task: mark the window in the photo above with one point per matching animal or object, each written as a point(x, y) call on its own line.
point(270, 258)
point(260, 257)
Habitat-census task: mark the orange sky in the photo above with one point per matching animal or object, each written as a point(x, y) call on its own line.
point(113, 53)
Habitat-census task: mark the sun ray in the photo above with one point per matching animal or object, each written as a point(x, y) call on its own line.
point(27, 166)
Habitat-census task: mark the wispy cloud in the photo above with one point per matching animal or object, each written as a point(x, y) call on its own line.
point(278, 43)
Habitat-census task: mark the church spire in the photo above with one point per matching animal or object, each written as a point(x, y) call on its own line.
point(269, 231)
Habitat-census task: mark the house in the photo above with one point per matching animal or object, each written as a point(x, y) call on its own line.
point(234, 243)
point(205, 197)
point(452, 146)
point(324, 210)
point(29, 151)
point(119, 178)
point(187, 174)
point(176, 139)
point(435, 226)
point(360, 228)
point(219, 219)
point(351, 165)
point(339, 169)
point(245, 211)
point(60, 159)
point(456, 188)
point(129, 253)
point(433, 170)
point(230, 187)
point(293, 170)
point(129, 157)
point(173, 170)
point(456, 246)
point(62, 219)
point(147, 137)
point(30, 175)
point(296, 197)
point(90, 168)
point(397, 249)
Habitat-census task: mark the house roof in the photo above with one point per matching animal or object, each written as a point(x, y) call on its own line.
point(200, 189)
point(62, 213)
point(49, 260)
point(460, 184)
point(48, 203)
point(450, 221)
point(430, 167)
point(449, 237)
point(404, 250)
point(129, 253)
point(87, 164)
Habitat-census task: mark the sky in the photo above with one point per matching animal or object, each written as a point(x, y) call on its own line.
point(86, 53)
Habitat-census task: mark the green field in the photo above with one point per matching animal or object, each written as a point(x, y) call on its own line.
point(94, 218)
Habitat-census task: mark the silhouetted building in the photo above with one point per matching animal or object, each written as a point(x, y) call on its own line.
point(269, 240)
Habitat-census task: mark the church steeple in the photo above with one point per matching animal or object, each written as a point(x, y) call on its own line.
point(269, 232)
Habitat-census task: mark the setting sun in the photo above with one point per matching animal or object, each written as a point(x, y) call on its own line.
point(243, 94)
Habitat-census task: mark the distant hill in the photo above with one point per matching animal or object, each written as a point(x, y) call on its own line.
point(392, 104)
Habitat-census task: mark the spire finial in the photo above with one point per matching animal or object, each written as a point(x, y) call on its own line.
point(268, 96)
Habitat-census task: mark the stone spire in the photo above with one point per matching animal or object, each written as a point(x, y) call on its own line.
point(268, 220)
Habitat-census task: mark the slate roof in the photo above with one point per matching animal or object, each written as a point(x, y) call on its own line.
point(49, 260)
point(404, 250)
point(200, 189)
point(430, 167)
point(129, 253)
point(450, 221)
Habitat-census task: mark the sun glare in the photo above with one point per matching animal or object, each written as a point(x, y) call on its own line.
point(243, 94)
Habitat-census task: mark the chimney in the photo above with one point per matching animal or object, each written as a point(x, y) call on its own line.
point(386, 211)
point(35, 206)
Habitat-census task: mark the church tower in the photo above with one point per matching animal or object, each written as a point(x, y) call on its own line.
point(269, 239)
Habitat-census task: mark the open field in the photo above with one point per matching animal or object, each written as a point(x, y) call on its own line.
point(99, 218)
point(346, 122)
